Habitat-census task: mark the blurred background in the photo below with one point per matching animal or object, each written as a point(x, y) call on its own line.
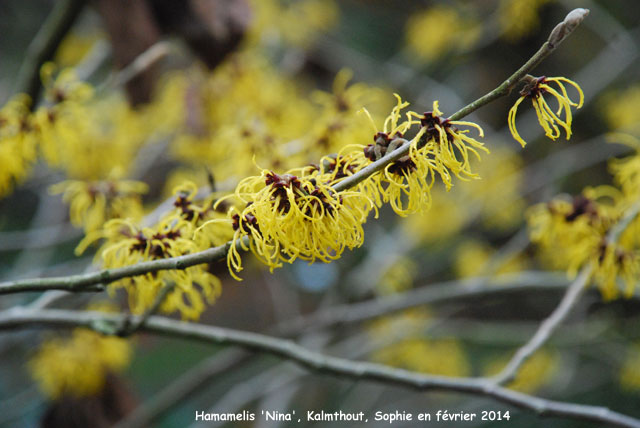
point(216, 68)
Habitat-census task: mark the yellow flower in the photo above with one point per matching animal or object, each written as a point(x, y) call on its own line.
point(447, 148)
point(76, 45)
point(405, 183)
point(438, 147)
point(93, 203)
point(570, 232)
point(551, 122)
point(125, 244)
point(472, 258)
point(495, 199)
point(17, 143)
point(63, 86)
point(78, 366)
point(91, 139)
point(615, 263)
point(288, 217)
point(337, 124)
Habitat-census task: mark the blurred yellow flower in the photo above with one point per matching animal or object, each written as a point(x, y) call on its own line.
point(94, 203)
point(534, 374)
point(472, 258)
point(519, 18)
point(18, 143)
point(622, 109)
point(398, 277)
point(443, 357)
point(629, 374)
point(289, 217)
point(438, 30)
point(297, 22)
point(77, 366)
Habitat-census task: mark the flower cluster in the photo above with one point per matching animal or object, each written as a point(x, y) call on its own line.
point(246, 110)
point(586, 230)
point(576, 233)
point(127, 244)
point(289, 217)
point(299, 215)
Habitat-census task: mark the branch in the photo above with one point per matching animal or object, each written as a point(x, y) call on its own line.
point(16, 318)
point(45, 44)
point(106, 276)
point(546, 329)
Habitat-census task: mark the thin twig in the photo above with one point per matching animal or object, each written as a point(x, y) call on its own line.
point(546, 329)
point(17, 318)
point(45, 44)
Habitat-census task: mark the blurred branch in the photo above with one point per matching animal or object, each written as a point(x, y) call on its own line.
point(186, 384)
point(450, 290)
point(17, 318)
point(38, 237)
point(546, 329)
point(140, 64)
point(45, 44)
